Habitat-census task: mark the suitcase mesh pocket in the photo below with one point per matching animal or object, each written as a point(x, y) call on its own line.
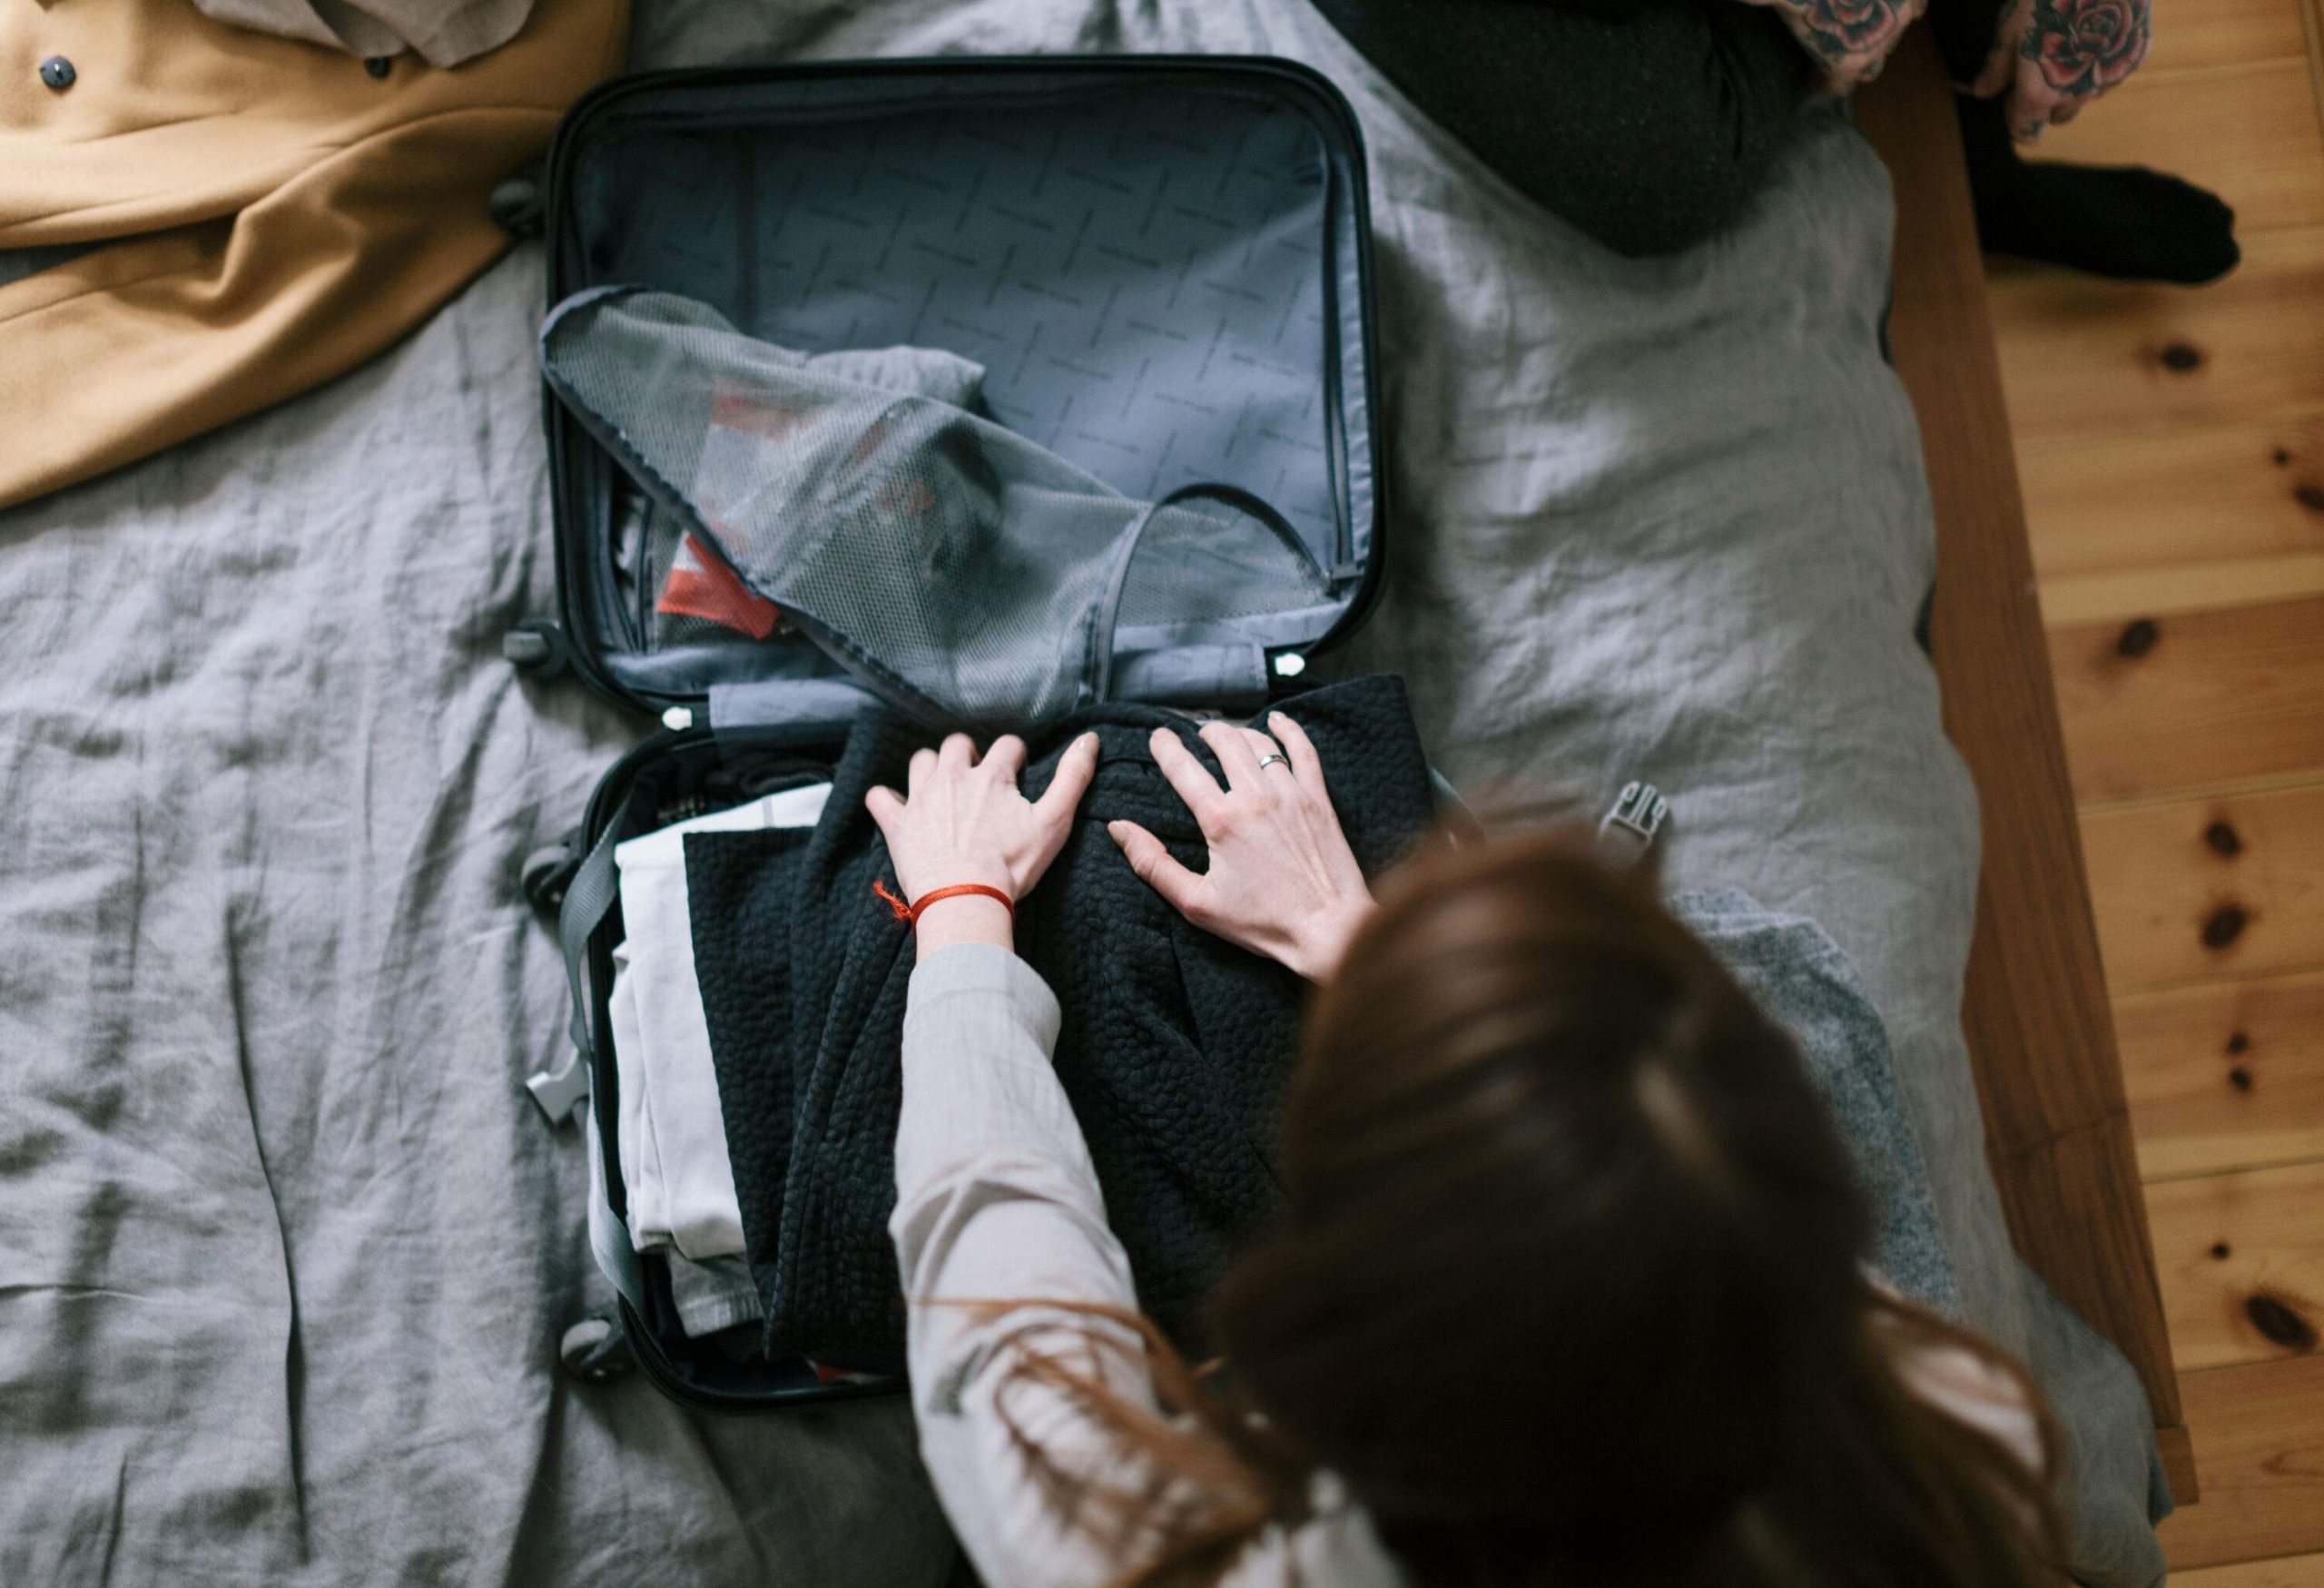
point(958, 564)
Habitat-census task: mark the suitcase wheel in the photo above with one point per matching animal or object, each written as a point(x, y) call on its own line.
point(594, 1351)
point(516, 205)
point(535, 647)
point(547, 872)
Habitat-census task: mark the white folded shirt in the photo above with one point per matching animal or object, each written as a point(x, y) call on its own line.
point(672, 1135)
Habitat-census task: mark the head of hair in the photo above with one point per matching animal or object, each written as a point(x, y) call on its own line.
point(1569, 1285)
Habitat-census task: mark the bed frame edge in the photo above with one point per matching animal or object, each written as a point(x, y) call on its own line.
point(2035, 1012)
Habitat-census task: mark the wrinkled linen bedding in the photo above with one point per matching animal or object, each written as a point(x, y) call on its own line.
point(285, 1250)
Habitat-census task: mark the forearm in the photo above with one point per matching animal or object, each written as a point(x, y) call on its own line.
point(980, 1025)
point(998, 1202)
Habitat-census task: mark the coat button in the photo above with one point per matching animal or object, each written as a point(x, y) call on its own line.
point(378, 66)
point(57, 73)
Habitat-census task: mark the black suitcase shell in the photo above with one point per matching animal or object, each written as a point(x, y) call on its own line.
point(1164, 263)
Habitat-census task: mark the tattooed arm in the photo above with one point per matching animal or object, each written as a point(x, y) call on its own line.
point(2055, 57)
point(1852, 38)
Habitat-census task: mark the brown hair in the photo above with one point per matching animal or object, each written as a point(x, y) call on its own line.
point(1568, 1286)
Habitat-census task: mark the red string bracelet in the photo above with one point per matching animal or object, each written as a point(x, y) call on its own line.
point(910, 913)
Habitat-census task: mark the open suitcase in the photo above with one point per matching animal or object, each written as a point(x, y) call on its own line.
point(1161, 265)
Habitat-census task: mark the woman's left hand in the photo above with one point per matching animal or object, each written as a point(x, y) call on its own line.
point(1282, 881)
point(1850, 39)
point(962, 820)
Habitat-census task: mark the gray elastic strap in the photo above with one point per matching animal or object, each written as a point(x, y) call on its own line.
point(588, 899)
point(788, 712)
point(1097, 653)
point(1105, 617)
point(1209, 677)
point(609, 1241)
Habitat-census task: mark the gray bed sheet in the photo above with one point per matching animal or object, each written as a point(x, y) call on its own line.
point(285, 1250)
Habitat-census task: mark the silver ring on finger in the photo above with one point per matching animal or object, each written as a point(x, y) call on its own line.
point(1274, 758)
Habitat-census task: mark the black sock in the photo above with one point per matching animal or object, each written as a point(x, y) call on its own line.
point(2120, 221)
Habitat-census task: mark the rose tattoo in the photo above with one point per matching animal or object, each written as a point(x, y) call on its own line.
point(1852, 38)
point(1845, 28)
point(2055, 57)
point(2084, 47)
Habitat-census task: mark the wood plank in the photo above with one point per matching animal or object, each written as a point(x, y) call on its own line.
point(2126, 359)
point(2311, 17)
point(2159, 592)
point(2225, 1076)
point(2286, 1572)
point(2095, 1238)
point(2197, 889)
point(2259, 1435)
point(2246, 489)
point(2174, 1448)
point(2039, 1033)
point(2248, 133)
point(2241, 1259)
point(2166, 438)
point(2196, 34)
point(2197, 700)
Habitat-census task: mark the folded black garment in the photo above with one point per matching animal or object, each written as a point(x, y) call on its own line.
point(1173, 1048)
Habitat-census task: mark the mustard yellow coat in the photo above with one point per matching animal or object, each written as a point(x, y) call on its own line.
point(270, 213)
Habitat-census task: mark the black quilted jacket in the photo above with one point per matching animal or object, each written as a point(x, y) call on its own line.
point(1174, 1047)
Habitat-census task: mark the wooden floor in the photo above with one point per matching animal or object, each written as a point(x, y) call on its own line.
point(2171, 447)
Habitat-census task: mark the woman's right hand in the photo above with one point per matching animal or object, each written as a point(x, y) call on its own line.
point(2055, 57)
point(1282, 880)
point(962, 820)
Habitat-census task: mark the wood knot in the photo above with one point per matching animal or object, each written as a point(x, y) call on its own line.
point(2240, 1079)
point(2222, 1251)
point(2280, 457)
point(2138, 637)
point(2237, 1043)
point(2179, 357)
point(2279, 1323)
point(2222, 838)
point(2309, 494)
point(2224, 925)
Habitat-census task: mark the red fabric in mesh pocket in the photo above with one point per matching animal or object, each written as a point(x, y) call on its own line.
point(700, 586)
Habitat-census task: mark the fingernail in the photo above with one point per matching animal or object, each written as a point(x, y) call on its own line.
point(1114, 831)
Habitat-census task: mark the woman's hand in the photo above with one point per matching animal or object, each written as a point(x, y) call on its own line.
point(2055, 57)
point(1850, 39)
point(962, 820)
point(1281, 882)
